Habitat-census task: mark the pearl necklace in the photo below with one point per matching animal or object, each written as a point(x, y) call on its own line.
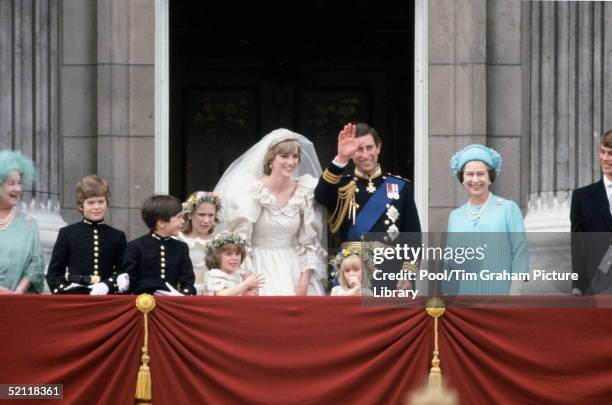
point(7, 220)
point(473, 215)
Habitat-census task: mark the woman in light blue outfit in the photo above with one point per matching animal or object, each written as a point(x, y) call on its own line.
point(486, 221)
point(21, 259)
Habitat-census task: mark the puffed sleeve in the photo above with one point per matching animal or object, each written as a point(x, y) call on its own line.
point(241, 213)
point(216, 281)
point(59, 261)
point(337, 291)
point(34, 270)
point(312, 255)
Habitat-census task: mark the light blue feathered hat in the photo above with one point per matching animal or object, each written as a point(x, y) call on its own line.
point(476, 152)
point(13, 161)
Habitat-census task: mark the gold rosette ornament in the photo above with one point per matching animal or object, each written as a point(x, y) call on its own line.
point(145, 304)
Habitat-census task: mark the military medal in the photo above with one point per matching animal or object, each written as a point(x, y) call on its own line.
point(392, 191)
point(370, 188)
point(393, 232)
point(392, 214)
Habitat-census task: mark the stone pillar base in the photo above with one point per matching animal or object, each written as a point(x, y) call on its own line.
point(548, 225)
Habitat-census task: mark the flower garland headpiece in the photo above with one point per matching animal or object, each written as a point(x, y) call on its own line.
point(226, 237)
point(200, 197)
point(364, 254)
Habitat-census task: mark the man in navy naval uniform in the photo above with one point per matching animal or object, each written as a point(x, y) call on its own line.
point(366, 200)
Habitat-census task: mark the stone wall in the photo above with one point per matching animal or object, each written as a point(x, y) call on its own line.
point(29, 103)
point(476, 95)
point(107, 93)
point(569, 103)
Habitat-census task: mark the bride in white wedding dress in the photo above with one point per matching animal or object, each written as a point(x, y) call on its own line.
point(270, 199)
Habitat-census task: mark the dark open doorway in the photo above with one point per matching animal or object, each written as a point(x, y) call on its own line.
point(241, 69)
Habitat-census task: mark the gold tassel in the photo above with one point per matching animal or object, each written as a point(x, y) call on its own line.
point(143, 383)
point(345, 204)
point(435, 309)
point(434, 392)
point(145, 303)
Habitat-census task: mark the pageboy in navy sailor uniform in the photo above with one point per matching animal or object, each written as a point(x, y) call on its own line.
point(86, 253)
point(158, 263)
point(153, 260)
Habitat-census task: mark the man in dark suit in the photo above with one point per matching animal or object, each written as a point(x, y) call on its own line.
point(591, 215)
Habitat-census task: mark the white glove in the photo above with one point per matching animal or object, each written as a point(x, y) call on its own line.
point(72, 286)
point(171, 293)
point(98, 289)
point(123, 282)
point(576, 291)
point(516, 287)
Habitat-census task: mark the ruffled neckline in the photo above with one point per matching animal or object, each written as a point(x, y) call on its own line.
point(304, 190)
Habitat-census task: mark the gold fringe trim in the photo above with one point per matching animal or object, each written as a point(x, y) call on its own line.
point(410, 267)
point(435, 309)
point(352, 245)
point(145, 303)
point(345, 205)
point(330, 177)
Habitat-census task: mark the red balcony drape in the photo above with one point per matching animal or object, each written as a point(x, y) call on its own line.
point(300, 350)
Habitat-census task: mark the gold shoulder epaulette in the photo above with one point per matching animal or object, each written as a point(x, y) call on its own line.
point(344, 205)
point(398, 177)
point(330, 177)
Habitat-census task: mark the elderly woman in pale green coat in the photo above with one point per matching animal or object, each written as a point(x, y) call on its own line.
point(21, 259)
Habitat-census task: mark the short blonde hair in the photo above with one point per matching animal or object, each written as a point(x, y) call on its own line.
point(365, 277)
point(92, 186)
point(288, 146)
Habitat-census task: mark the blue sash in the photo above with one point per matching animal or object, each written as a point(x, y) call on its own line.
point(373, 209)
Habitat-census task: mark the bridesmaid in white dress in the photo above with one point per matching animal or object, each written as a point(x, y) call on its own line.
point(201, 212)
point(270, 195)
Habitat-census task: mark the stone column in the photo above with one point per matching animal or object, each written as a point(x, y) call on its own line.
point(475, 96)
point(29, 103)
point(125, 106)
point(457, 96)
point(570, 100)
point(570, 106)
point(108, 102)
